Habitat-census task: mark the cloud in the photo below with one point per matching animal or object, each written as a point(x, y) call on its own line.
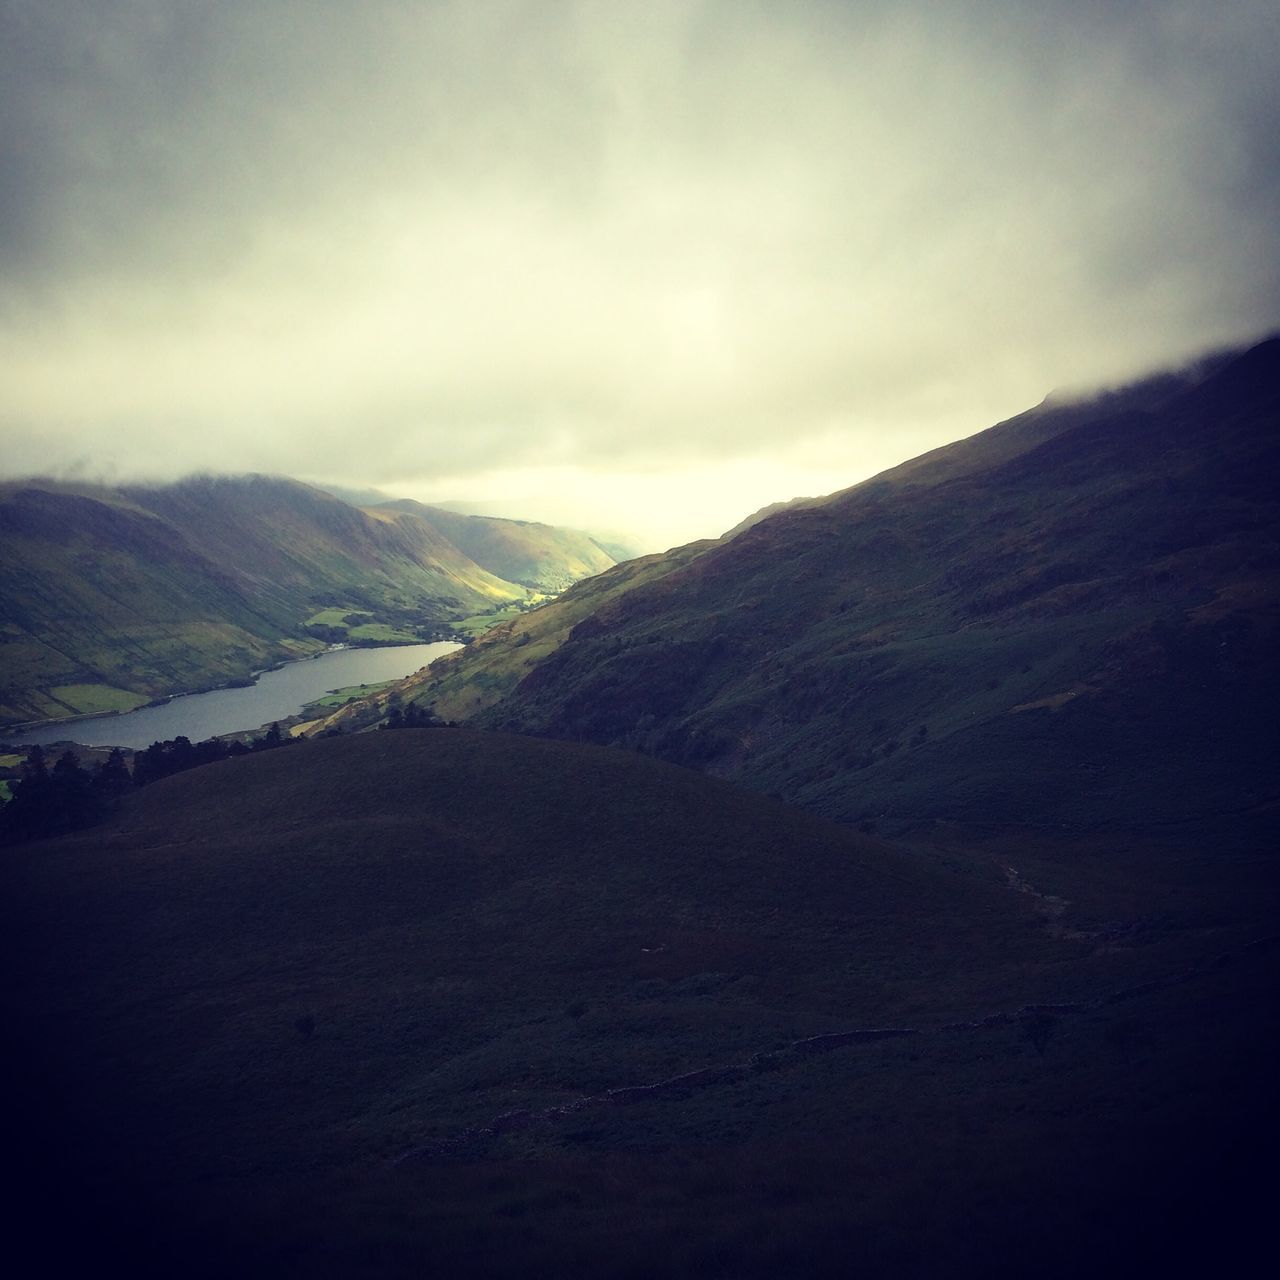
point(402, 241)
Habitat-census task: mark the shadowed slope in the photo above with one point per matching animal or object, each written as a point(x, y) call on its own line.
point(234, 1008)
point(1068, 619)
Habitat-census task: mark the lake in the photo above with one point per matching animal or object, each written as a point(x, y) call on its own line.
point(276, 696)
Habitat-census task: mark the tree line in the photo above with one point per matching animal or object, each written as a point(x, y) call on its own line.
point(53, 799)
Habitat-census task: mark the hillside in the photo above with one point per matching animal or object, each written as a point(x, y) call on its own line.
point(115, 596)
point(520, 1007)
point(540, 556)
point(1068, 619)
point(498, 659)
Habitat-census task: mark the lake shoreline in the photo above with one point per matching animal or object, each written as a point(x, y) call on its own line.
point(65, 727)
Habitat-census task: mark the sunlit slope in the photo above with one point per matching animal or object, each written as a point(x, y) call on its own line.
point(540, 556)
point(461, 685)
point(1068, 619)
point(111, 597)
point(104, 603)
point(284, 536)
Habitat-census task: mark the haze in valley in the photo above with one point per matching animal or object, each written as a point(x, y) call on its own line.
point(641, 267)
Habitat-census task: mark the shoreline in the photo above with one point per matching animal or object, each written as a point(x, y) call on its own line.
point(239, 682)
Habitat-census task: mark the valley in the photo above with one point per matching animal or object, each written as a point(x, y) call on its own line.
point(276, 696)
point(887, 887)
point(115, 597)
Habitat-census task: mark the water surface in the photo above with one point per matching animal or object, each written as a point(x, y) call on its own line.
point(275, 696)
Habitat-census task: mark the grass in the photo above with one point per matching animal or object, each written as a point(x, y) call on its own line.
point(265, 980)
point(351, 693)
point(93, 699)
point(481, 622)
point(370, 632)
point(335, 617)
point(382, 633)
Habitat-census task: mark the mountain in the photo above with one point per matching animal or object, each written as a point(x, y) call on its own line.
point(1068, 619)
point(539, 556)
point(445, 1002)
point(616, 544)
point(115, 596)
point(498, 659)
point(764, 513)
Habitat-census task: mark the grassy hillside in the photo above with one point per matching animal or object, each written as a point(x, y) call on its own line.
point(535, 555)
point(115, 596)
point(502, 656)
point(453, 1003)
point(1067, 619)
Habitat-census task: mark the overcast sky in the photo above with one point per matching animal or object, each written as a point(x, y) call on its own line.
point(639, 265)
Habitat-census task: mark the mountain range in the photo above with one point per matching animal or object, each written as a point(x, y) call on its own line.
point(114, 596)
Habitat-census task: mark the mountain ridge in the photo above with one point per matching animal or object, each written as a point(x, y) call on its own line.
point(1041, 595)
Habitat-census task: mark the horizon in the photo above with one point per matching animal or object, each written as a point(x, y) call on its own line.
point(557, 511)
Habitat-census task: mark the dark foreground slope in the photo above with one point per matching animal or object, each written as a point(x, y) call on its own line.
point(393, 1004)
point(1069, 619)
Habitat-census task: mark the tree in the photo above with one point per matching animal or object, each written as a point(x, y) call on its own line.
point(49, 802)
point(111, 778)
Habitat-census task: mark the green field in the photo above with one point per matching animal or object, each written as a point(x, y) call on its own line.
point(335, 617)
point(93, 699)
point(340, 697)
point(479, 623)
point(381, 633)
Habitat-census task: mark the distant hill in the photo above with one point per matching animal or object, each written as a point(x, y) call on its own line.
point(115, 596)
point(445, 1002)
point(618, 545)
point(1067, 619)
point(540, 556)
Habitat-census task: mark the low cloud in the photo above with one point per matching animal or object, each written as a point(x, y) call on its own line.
point(407, 245)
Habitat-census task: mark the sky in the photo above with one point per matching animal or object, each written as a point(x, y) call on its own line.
point(642, 267)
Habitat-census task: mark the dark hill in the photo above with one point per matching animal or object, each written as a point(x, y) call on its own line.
point(1069, 619)
point(474, 1004)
